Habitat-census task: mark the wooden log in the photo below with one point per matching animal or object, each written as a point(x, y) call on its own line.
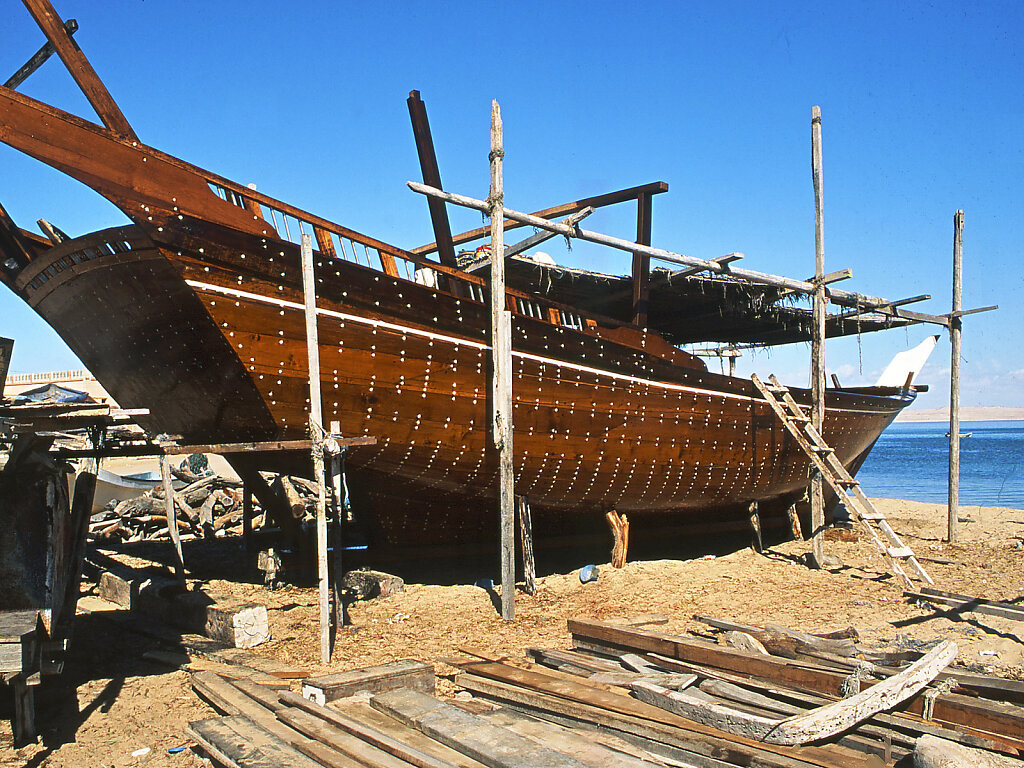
point(179, 561)
point(471, 735)
point(755, 526)
point(364, 584)
point(735, 693)
point(744, 642)
point(933, 752)
point(526, 538)
point(810, 726)
point(398, 674)
point(285, 489)
point(794, 523)
point(619, 525)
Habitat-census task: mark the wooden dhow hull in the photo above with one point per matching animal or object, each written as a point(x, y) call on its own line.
point(195, 311)
point(218, 354)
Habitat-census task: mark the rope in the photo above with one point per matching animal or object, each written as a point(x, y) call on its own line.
point(851, 685)
point(931, 694)
point(495, 154)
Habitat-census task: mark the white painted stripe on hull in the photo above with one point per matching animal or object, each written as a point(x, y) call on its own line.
point(284, 304)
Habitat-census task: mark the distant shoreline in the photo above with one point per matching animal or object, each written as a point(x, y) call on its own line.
point(967, 413)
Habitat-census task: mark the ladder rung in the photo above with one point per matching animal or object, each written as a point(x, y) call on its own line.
point(872, 516)
point(776, 388)
point(822, 449)
point(851, 483)
point(799, 418)
point(901, 552)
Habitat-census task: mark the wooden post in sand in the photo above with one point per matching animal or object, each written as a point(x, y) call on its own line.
point(526, 536)
point(954, 377)
point(172, 519)
point(501, 376)
point(817, 339)
point(316, 434)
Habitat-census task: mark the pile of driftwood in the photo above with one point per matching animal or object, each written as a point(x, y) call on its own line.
point(206, 507)
point(631, 698)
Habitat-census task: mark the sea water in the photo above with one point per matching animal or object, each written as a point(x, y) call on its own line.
point(911, 461)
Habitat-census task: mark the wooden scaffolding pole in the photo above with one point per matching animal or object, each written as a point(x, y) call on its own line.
point(818, 340)
point(721, 266)
point(501, 372)
point(954, 377)
point(316, 434)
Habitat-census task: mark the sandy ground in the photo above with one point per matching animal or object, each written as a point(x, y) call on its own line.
point(111, 702)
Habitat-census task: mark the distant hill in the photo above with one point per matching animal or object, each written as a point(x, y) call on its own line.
point(967, 413)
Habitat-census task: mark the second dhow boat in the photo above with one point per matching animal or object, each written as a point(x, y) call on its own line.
point(195, 312)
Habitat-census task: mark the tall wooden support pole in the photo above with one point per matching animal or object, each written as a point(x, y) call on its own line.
point(316, 434)
point(641, 263)
point(431, 176)
point(954, 377)
point(818, 340)
point(501, 372)
point(172, 519)
point(337, 541)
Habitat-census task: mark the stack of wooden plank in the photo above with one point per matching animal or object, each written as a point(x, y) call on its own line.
point(974, 711)
point(580, 707)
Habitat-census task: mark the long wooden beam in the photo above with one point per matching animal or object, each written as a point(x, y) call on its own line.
point(38, 58)
point(815, 724)
point(79, 67)
point(432, 176)
point(565, 209)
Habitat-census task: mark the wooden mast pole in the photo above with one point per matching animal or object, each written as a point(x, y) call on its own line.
point(316, 434)
point(954, 377)
point(818, 340)
point(501, 375)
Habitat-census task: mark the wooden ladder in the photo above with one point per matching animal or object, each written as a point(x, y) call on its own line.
point(796, 420)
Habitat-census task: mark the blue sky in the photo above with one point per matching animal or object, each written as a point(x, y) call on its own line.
point(922, 113)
